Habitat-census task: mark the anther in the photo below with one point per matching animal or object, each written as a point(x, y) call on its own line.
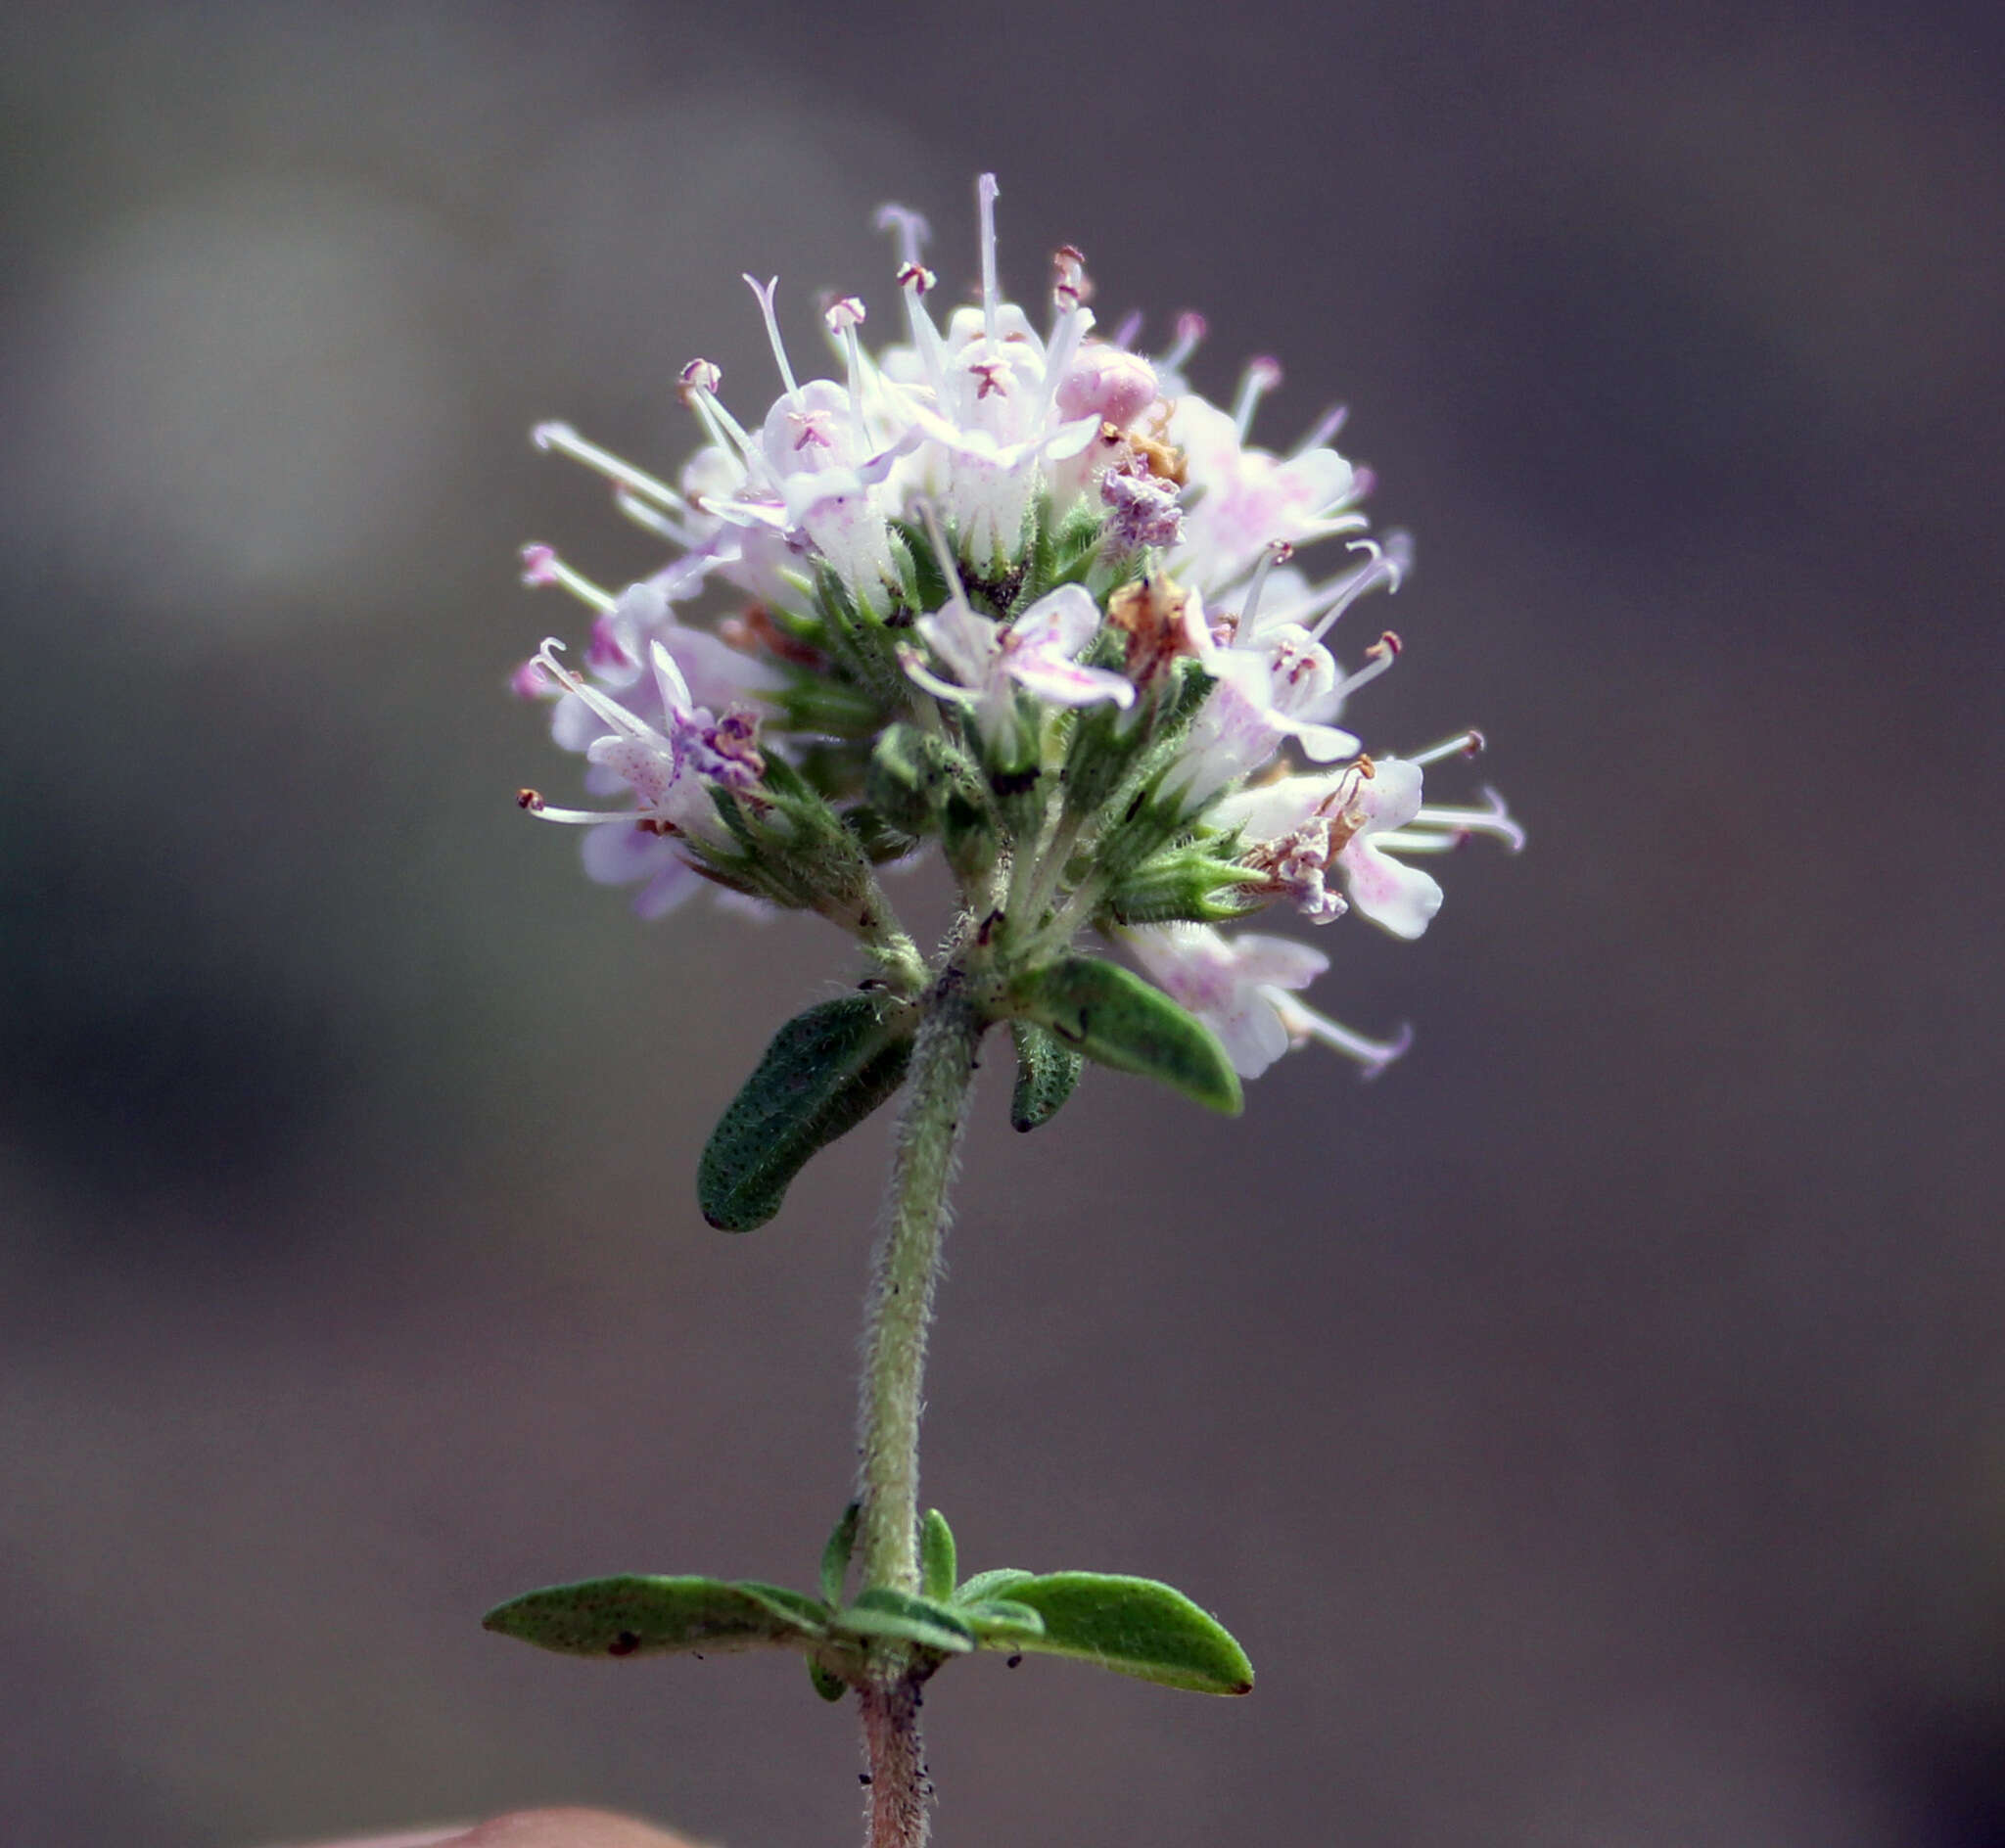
point(700, 376)
point(917, 276)
point(1380, 656)
point(529, 799)
point(540, 565)
point(1070, 288)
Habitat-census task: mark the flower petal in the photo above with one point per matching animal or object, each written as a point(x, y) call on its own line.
point(1398, 898)
point(1066, 684)
point(1066, 620)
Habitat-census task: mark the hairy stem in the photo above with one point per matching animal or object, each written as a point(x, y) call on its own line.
point(899, 1785)
point(908, 1261)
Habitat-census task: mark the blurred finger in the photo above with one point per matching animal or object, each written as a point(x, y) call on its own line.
point(526, 1828)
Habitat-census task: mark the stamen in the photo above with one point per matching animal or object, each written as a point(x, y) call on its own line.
point(911, 230)
point(1260, 378)
point(844, 317)
point(913, 280)
point(700, 380)
point(1327, 426)
point(577, 817)
point(986, 190)
point(1071, 320)
point(653, 519)
point(567, 441)
point(1398, 841)
point(950, 568)
point(608, 712)
point(1387, 565)
point(1123, 335)
point(1305, 1023)
point(1277, 553)
point(914, 665)
point(542, 566)
point(1071, 287)
point(1382, 655)
point(1494, 821)
point(1191, 329)
point(779, 351)
point(1464, 744)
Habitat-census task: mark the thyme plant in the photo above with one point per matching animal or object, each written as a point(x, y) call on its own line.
point(1031, 600)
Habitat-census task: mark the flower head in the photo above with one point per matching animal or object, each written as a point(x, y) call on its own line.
point(1009, 583)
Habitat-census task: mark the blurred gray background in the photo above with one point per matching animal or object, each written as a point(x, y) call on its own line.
point(1595, 1429)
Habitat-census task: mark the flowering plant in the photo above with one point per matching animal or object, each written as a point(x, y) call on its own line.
point(1030, 598)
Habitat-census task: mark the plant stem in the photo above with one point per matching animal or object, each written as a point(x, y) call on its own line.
point(907, 1263)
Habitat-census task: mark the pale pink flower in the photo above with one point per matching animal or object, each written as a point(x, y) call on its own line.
point(991, 660)
point(1240, 987)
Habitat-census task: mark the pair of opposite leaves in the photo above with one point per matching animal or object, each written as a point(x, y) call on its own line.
point(1135, 1626)
point(832, 1065)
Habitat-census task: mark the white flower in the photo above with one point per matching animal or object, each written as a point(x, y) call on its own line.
point(991, 660)
point(1238, 500)
point(668, 770)
point(1276, 679)
point(1240, 986)
point(1300, 827)
point(998, 407)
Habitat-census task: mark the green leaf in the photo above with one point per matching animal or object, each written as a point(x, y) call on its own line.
point(827, 1683)
point(937, 1556)
point(1113, 1016)
point(1045, 1074)
point(810, 1614)
point(639, 1615)
point(1135, 1627)
point(835, 1555)
point(1002, 1618)
point(884, 1612)
point(825, 1071)
point(999, 1581)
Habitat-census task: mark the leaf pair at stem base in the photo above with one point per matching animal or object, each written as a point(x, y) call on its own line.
point(1132, 1626)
